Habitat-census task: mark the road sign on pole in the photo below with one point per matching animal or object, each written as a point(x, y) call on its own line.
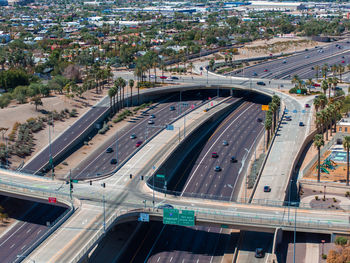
point(265, 107)
point(52, 200)
point(143, 217)
point(186, 218)
point(178, 217)
point(170, 216)
point(170, 127)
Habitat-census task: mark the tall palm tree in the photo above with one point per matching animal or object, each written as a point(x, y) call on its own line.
point(317, 70)
point(324, 86)
point(323, 101)
point(332, 114)
point(346, 145)
point(268, 126)
point(131, 85)
point(111, 95)
point(334, 69)
point(329, 83)
point(341, 70)
point(273, 107)
point(309, 84)
point(324, 70)
point(115, 97)
point(318, 143)
point(317, 103)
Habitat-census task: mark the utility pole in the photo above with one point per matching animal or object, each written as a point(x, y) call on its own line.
point(295, 233)
point(116, 146)
point(104, 214)
point(51, 159)
point(289, 193)
point(70, 184)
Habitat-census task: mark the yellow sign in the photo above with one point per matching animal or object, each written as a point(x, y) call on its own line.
point(265, 107)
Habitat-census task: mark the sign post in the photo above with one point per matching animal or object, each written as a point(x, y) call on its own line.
point(178, 217)
point(52, 200)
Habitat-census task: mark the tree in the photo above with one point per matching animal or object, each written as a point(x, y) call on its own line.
point(131, 85)
point(324, 86)
point(37, 102)
point(324, 70)
point(318, 143)
point(111, 94)
point(317, 103)
point(317, 70)
point(346, 144)
point(341, 70)
point(211, 64)
point(268, 126)
point(309, 84)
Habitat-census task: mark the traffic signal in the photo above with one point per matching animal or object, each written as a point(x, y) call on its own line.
point(103, 185)
point(71, 185)
point(90, 182)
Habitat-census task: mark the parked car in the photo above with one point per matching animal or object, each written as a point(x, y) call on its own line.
point(163, 77)
point(109, 150)
point(173, 77)
point(261, 83)
point(316, 85)
point(267, 189)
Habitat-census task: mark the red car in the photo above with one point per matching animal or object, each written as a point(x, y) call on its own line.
point(265, 70)
point(138, 143)
point(307, 105)
point(214, 155)
point(343, 61)
point(316, 85)
point(163, 77)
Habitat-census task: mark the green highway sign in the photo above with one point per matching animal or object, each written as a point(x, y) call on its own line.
point(170, 216)
point(186, 218)
point(178, 217)
point(224, 226)
point(299, 91)
point(160, 175)
point(75, 181)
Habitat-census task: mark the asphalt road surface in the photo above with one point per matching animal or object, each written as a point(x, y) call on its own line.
point(32, 224)
point(39, 161)
point(239, 130)
point(156, 243)
point(123, 145)
point(302, 64)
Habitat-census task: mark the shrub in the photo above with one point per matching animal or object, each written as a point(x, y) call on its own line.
point(316, 197)
point(347, 194)
point(324, 256)
point(341, 241)
point(73, 113)
point(104, 129)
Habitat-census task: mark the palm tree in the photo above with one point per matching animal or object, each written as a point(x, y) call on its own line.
point(324, 70)
point(317, 103)
point(273, 107)
point(111, 95)
point(318, 142)
point(323, 101)
point(115, 97)
point(131, 85)
point(295, 80)
point(346, 145)
point(324, 86)
point(330, 83)
point(341, 70)
point(268, 126)
point(309, 84)
point(317, 69)
point(334, 69)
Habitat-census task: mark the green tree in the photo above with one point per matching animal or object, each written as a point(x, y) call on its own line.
point(318, 143)
point(131, 85)
point(346, 144)
point(37, 102)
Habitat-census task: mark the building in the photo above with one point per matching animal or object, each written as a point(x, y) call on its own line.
point(344, 125)
point(274, 6)
point(3, 2)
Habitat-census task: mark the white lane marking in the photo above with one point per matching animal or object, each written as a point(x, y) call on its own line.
point(119, 138)
point(158, 259)
point(155, 242)
point(171, 259)
point(205, 155)
point(12, 234)
point(137, 162)
point(12, 245)
point(29, 230)
point(23, 247)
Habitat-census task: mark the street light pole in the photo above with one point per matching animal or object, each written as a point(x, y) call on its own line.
point(289, 193)
point(116, 146)
point(295, 232)
point(104, 215)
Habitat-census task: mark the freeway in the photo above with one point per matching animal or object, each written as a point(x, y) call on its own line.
point(40, 160)
point(30, 226)
point(302, 64)
point(122, 145)
point(237, 132)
